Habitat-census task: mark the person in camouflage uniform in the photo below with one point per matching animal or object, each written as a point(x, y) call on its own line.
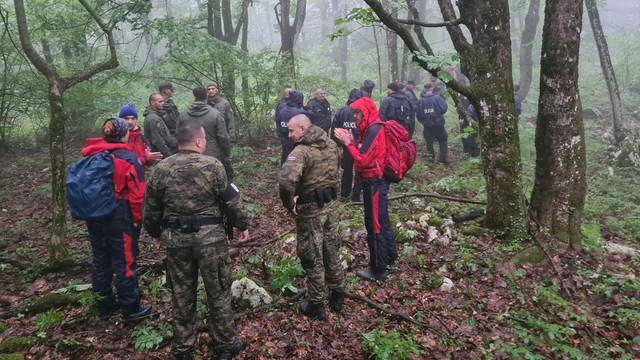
point(156, 133)
point(224, 106)
point(187, 195)
point(170, 109)
point(309, 182)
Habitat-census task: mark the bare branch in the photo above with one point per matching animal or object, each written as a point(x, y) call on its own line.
point(460, 43)
point(430, 25)
point(110, 63)
point(27, 46)
point(405, 35)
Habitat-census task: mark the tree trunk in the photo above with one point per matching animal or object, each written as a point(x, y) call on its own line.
point(392, 54)
point(607, 69)
point(560, 185)
point(489, 68)
point(57, 246)
point(526, 47)
point(378, 58)
point(288, 34)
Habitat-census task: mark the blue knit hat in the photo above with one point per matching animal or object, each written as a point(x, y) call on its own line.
point(128, 110)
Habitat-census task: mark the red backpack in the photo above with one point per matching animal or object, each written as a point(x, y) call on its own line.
point(401, 151)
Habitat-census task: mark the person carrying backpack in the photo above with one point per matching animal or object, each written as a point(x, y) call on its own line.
point(398, 107)
point(114, 237)
point(431, 110)
point(369, 159)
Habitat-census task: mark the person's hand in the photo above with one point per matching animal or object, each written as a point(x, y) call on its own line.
point(344, 136)
point(155, 156)
point(243, 236)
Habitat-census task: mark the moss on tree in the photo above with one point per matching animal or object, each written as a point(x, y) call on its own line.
point(15, 344)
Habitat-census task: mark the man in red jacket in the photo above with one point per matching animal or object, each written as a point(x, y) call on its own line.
point(369, 158)
point(129, 113)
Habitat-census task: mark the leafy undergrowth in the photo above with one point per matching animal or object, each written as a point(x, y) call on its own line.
point(500, 305)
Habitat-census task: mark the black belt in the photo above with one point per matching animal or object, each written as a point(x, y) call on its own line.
point(318, 196)
point(190, 223)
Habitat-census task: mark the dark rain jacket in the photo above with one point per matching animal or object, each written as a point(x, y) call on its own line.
point(218, 143)
point(431, 110)
point(156, 132)
point(321, 111)
point(292, 108)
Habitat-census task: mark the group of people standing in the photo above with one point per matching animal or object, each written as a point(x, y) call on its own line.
point(190, 203)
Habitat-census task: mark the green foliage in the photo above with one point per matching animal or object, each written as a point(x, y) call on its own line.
point(628, 318)
point(433, 280)
point(70, 345)
point(284, 272)
point(392, 345)
point(147, 338)
point(3, 328)
point(46, 321)
point(14, 344)
point(591, 241)
point(156, 290)
point(51, 301)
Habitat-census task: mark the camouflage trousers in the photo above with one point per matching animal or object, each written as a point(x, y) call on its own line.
point(318, 244)
point(214, 264)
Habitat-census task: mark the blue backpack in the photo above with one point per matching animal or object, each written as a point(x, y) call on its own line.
point(90, 190)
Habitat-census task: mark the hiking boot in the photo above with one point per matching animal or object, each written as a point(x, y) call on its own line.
point(312, 311)
point(229, 352)
point(336, 300)
point(143, 312)
point(369, 274)
point(106, 308)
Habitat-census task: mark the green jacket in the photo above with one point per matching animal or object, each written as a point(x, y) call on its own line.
point(218, 144)
point(224, 107)
point(171, 115)
point(156, 133)
point(189, 183)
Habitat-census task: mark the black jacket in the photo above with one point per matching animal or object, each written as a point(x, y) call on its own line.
point(321, 111)
point(397, 107)
point(292, 108)
point(431, 110)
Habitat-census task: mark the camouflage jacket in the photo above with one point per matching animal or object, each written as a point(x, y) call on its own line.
point(156, 133)
point(224, 106)
point(313, 164)
point(189, 183)
point(171, 115)
point(218, 144)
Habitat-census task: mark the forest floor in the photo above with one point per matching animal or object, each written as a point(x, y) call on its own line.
point(504, 300)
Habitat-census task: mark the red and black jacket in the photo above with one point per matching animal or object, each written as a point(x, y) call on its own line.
point(369, 156)
point(139, 147)
point(128, 173)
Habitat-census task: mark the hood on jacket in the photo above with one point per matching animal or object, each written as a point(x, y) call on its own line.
point(296, 99)
point(96, 145)
point(315, 137)
point(369, 112)
point(354, 95)
point(149, 109)
point(199, 109)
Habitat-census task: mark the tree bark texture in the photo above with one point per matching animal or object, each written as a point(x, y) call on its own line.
point(289, 32)
point(607, 69)
point(560, 185)
point(392, 55)
point(57, 247)
point(526, 47)
point(486, 60)
point(488, 65)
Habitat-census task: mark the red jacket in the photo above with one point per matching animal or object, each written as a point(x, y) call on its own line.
point(139, 147)
point(128, 173)
point(369, 156)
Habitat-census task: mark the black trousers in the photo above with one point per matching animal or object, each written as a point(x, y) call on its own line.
point(438, 134)
point(382, 245)
point(348, 186)
point(114, 244)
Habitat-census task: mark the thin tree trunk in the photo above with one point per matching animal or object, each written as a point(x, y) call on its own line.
point(560, 185)
point(526, 47)
point(607, 69)
point(378, 59)
point(392, 54)
point(57, 246)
